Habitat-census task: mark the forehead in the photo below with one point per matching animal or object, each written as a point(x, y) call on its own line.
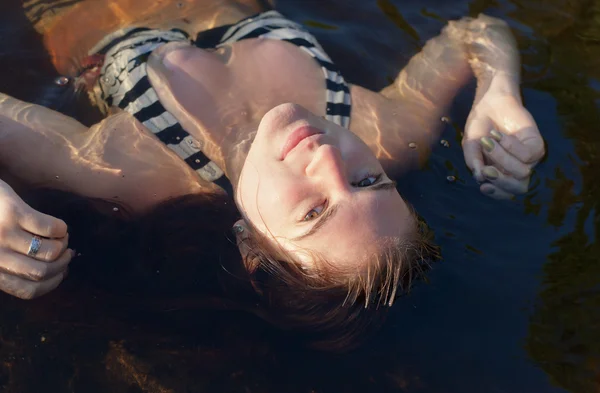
point(354, 232)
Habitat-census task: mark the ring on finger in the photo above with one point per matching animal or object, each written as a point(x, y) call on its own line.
point(34, 246)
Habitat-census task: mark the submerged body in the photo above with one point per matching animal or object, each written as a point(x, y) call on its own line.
point(302, 178)
point(223, 94)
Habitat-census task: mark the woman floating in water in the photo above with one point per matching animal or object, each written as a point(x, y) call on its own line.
point(259, 110)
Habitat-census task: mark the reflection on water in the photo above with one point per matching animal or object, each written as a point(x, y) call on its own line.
point(514, 307)
point(564, 332)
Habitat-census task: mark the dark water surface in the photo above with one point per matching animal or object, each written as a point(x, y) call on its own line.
point(513, 307)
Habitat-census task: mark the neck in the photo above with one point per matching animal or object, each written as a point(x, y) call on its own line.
point(234, 150)
point(227, 132)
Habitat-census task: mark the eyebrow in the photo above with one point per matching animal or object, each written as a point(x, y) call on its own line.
point(330, 213)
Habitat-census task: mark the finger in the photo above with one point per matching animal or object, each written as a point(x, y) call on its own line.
point(26, 289)
point(32, 270)
point(494, 192)
point(18, 240)
point(42, 224)
point(503, 159)
point(473, 158)
point(475, 129)
point(504, 182)
point(528, 151)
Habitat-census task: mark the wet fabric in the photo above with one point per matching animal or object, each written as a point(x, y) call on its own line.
point(124, 80)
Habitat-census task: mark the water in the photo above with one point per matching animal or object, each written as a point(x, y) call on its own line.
point(514, 306)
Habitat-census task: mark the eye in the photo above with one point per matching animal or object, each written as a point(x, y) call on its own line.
point(367, 181)
point(314, 213)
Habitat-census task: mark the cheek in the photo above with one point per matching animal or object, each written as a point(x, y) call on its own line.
point(266, 194)
point(358, 155)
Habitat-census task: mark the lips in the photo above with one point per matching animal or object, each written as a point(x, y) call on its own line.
point(297, 136)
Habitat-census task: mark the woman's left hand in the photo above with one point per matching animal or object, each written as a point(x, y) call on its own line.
point(502, 144)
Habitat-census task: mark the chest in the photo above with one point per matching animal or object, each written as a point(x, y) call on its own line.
point(235, 85)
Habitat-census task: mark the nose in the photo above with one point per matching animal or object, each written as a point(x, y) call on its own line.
point(328, 165)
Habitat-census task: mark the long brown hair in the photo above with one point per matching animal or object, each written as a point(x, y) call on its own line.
point(332, 309)
point(185, 246)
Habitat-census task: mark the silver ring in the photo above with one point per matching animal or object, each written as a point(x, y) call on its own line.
point(34, 246)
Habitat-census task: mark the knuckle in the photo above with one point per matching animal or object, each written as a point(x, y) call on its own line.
point(53, 250)
point(539, 153)
point(58, 227)
point(5, 231)
point(47, 227)
point(532, 155)
point(38, 273)
point(7, 210)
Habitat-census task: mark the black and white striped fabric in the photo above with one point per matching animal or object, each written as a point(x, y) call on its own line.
point(124, 81)
point(274, 26)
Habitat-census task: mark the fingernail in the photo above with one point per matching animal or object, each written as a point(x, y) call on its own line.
point(497, 135)
point(487, 144)
point(490, 173)
point(488, 190)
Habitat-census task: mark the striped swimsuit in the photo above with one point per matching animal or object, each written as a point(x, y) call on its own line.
point(124, 81)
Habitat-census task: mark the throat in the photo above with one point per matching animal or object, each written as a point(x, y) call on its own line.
point(220, 98)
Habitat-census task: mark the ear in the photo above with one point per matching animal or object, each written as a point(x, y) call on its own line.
point(242, 234)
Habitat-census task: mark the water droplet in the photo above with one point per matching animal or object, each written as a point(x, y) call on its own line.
point(445, 143)
point(451, 179)
point(445, 119)
point(56, 176)
point(412, 145)
point(61, 80)
point(115, 209)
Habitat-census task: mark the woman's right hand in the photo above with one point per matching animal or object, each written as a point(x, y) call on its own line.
point(23, 273)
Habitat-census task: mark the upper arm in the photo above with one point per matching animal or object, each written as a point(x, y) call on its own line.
point(409, 110)
point(433, 76)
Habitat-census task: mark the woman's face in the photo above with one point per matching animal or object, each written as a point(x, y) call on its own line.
point(315, 187)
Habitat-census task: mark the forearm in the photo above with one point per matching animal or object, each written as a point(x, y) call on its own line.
point(31, 146)
point(117, 157)
point(482, 46)
point(491, 51)
point(43, 148)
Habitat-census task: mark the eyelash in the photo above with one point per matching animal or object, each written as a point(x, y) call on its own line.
point(377, 179)
point(376, 176)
